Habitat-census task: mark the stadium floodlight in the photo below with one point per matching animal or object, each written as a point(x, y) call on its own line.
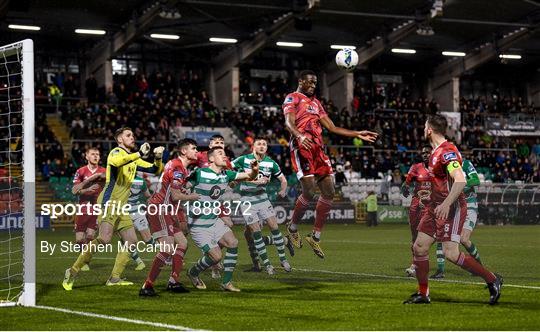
point(90, 31)
point(24, 27)
point(452, 53)
point(164, 36)
point(289, 44)
point(18, 285)
point(403, 50)
point(223, 40)
point(340, 47)
point(510, 56)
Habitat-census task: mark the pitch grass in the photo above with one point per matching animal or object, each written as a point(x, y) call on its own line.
point(304, 300)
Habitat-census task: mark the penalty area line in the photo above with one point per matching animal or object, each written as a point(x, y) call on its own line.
point(360, 274)
point(118, 319)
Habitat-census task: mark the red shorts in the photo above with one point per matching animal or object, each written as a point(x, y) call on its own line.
point(310, 162)
point(163, 225)
point(444, 230)
point(415, 214)
point(84, 222)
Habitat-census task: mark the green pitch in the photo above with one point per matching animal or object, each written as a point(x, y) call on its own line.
point(359, 285)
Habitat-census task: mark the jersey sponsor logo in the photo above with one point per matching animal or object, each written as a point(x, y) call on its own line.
point(178, 174)
point(215, 192)
point(288, 100)
point(449, 156)
point(116, 151)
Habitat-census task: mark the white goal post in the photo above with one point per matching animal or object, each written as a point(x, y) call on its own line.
point(18, 265)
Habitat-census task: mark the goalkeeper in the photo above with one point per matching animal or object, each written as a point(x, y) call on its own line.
point(122, 165)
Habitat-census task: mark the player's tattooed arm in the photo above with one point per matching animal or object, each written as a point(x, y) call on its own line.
point(290, 123)
point(87, 186)
point(365, 135)
point(456, 173)
point(181, 194)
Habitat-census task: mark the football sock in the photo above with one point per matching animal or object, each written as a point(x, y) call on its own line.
point(440, 257)
point(299, 210)
point(268, 240)
point(322, 209)
point(202, 264)
point(251, 247)
point(422, 270)
point(122, 258)
point(86, 255)
point(157, 264)
point(177, 264)
point(229, 263)
point(280, 244)
point(473, 251)
point(261, 249)
point(470, 264)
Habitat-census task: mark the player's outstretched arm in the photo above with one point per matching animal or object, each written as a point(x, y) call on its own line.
point(251, 175)
point(456, 173)
point(92, 182)
point(290, 123)
point(365, 135)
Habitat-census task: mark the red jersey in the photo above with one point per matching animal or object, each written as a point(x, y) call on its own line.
point(202, 160)
point(308, 112)
point(174, 176)
point(84, 173)
point(420, 175)
point(443, 155)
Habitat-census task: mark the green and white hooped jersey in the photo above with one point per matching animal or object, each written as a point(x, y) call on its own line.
point(210, 186)
point(136, 197)
point(470, 192)
point(256, 193)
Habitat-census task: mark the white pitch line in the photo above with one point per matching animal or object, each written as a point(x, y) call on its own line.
point(360, 274)
point(118, 319)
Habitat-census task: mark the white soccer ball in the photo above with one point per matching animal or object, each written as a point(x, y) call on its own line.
point(347, 59)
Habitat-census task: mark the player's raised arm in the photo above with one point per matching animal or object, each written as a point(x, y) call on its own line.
point(365, 135)
point(456, 173)
point(156, 167)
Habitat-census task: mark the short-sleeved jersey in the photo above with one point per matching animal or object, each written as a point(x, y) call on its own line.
point(202, 160)
point(256, 193)
point(308, 113)
point(137, 193)
point(443, 156)
point(210, 186)
point(470, 175)
point(174, 176)
point(82, 174)
point(121, 169)
point(420, 175)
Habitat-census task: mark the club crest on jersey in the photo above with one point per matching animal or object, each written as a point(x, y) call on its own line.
point(449, 156)
point(313, 109)
point(434, 161)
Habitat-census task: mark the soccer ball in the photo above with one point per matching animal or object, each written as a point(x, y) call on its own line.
point(347, 59)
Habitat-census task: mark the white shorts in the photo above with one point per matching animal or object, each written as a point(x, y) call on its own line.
point(139, 221)
point(470, 220)
point(207, 238)
point(257, 212)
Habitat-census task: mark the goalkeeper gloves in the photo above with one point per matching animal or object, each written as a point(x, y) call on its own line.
point(144, 150)
point(158, 152)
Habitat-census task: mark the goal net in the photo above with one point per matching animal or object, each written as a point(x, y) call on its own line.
point(17, 175)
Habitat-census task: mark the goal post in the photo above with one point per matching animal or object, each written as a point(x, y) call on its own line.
point(17, 247)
